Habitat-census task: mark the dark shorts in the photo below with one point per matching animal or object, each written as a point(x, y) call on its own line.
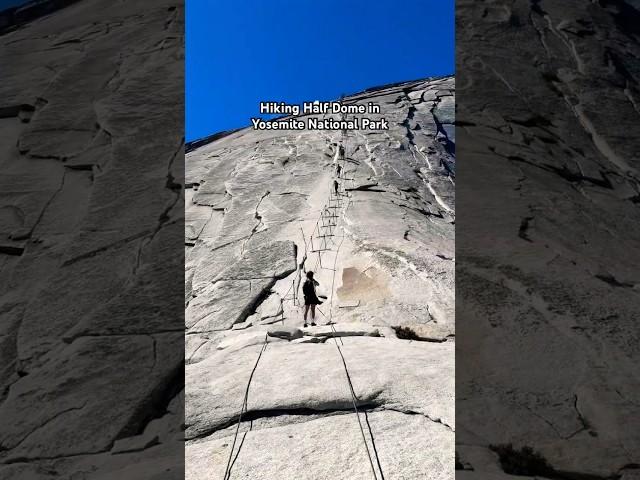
point(311, 301)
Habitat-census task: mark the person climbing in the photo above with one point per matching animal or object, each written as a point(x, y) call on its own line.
point(310, 298)
point(335, 187)
point(338, 170)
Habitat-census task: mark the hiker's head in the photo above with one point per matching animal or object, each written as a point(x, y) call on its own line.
point(310, 275)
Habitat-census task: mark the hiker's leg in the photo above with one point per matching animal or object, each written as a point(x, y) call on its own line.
point(313, 313)
point(306, 309)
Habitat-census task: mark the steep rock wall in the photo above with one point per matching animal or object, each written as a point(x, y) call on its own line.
point(261, 211)
point(91, 121)
point(547, 279)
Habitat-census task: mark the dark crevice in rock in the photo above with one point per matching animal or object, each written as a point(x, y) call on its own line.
point(528, 462)
point(630, 466)
point(449, 146)
point(524, 461)
point(252, 308)
point(81, 166)
point(253, 415)
point(585, 425)
point(258, 217)
point(406, 333)
point(611, 280)
point(570, 176)
point(406, 123)
point(365, 188)
point(23, 111)
point(411, 412)
point(155, 405)
point(564, 172)
point(25, 152)
point(424, 212)
point(534, 121)
point(524, 226)
point(67, 42)
point(9, 112)
point(14, 250)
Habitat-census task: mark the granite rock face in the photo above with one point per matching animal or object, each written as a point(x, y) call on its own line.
point(261, 211)
point(548, 127)
point(91, 120)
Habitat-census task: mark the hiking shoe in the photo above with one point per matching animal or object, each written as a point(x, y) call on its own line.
point(313, 324)
point(305, 325)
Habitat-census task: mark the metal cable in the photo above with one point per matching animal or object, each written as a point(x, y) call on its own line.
point(344, 363)
point(227, 471)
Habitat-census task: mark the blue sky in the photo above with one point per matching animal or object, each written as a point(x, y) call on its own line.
point(10, 3)
point(242, 52)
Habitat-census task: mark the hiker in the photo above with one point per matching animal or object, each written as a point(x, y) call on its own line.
point(310, 298)
point(338, 170)
point(335, 186)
